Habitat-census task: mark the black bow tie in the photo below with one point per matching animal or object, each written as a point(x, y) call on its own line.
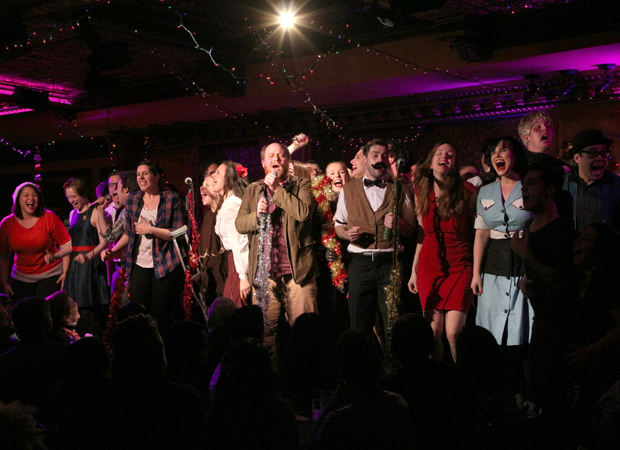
point(379, 183)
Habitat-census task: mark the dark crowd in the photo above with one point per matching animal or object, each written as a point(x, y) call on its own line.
point(382, 304)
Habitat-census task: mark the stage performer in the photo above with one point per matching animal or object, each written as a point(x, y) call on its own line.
point(288, 203)
point(443, 263)
point(31, 232)
point(154, 269)
point(229, 182)
point(87, 278)
point(364, 211)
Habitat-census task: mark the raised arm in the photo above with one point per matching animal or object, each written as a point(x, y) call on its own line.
point(300, 206)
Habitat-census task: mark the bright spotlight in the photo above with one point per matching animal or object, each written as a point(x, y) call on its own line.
point(287, 19)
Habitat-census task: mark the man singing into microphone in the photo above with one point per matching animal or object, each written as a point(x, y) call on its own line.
point(292, 269)
point(364, 212)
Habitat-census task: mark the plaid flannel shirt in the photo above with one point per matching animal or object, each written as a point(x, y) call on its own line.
point(169, 216)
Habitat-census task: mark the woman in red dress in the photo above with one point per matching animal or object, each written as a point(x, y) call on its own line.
point(443, 263)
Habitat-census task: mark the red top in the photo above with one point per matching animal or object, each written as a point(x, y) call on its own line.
point(30, 244)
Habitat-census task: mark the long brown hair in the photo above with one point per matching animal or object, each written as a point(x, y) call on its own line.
point(454, 197)
point(233, 182)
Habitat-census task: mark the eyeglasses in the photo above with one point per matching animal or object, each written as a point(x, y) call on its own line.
point(113, 185)
point(592, 154)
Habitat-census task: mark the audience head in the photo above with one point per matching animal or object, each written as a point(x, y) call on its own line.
point(590, 151)
point(539, 186)
point(313, 168)
point(85, 363)
point(63, 309)
point(299, 169)
point(149, 176)
point(230, 177)
point(357, 359)
point(129, 309)
point(479, 356)
point(138, 349)
point(221, 311)
point(27, 197)
point(338, 173)
point(536, 132)
point(18, 428)
point(32, 319)
point(412, 339)
point(246, 375)
point(276, 157)
point(186, 343)
point(506, 157)
point(358, 164)
point(598, 245)
point(377, 157)
point(247, 325)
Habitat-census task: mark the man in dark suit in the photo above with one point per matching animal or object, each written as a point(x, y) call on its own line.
point(289, 202)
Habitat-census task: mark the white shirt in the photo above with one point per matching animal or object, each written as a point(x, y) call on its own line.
point(375, 196)
point(145, 252)
point(230, 237)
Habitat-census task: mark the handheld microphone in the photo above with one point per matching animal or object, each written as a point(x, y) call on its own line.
point(107, 197)
point(189, 182)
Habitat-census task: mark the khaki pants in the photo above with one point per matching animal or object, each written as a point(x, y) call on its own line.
point(287, 301)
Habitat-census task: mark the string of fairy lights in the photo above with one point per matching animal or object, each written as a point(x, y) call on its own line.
point(295, 80)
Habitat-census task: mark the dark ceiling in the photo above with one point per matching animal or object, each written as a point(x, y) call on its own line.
point(109, 53)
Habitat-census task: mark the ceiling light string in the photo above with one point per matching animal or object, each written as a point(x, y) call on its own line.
point(193, 85)
point(437, 71)
point(209, 52)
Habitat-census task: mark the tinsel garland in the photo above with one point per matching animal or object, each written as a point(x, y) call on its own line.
point(324, 194)
point(115, 304)
point(188, 292)
point(261, 282)
point(392, 294)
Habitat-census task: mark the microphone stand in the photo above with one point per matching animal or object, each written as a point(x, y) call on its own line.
point(392, 290)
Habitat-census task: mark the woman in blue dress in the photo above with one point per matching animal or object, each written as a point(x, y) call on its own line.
point(87, 280)
point(502, 307)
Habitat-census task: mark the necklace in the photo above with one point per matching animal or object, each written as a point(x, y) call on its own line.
point(154, 201)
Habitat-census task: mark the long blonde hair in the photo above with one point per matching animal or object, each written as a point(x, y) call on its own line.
point(454, 197)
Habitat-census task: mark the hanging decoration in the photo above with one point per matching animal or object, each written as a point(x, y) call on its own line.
point(188, 292)
point(325, 195)
point(261, 282)
point(115, 305)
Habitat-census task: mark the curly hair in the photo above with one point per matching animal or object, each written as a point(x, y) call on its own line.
point(455, 197)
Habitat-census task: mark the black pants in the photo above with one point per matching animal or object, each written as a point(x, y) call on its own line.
point(42, 288)
point(368, 278)
point(160, 296)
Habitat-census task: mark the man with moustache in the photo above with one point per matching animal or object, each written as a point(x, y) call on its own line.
point(364, 211)
point(595, 191)
point(289, 201)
